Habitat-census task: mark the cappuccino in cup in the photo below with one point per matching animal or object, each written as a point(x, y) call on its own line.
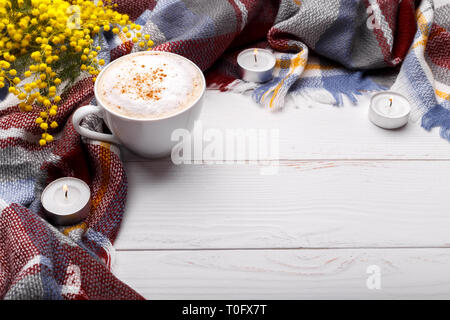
point(150, 86)
point(143, 98)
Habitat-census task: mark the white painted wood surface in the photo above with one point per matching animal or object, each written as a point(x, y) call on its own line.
point(312, 204)
point(286, 274)
point(352, 193)
point(322, 131)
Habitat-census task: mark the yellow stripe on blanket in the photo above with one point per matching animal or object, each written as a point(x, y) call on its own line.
point(442, 94)
point(422, 24)
point(81, 226)
point(296, 62)
point(315, 66)
point(422, 43)
point(286, 64)
point(105, 164)
point(123, 37)
point(105, 145)
point(424, 40)
point(282, 64)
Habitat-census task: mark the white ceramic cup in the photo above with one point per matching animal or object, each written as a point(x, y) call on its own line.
point(149, 138)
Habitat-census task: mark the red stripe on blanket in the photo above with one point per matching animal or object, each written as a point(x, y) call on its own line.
point(121, 50)
point(389, 11)
point(259, 22)
point(191, 49)
point(238, 16)
point(27, 251)
point(279, 40)
point(438, 46)
point(8, 110)
point(401, 20)
point(29, 245)
point(17, 248)
point(20, 120)
point(72, 158)
point(137, 7)
point(382, 42)
point(20, 142)
point(219, 81)
point(79, 94)
point(406, 29)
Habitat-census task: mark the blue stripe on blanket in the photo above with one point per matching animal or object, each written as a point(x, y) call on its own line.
point(350, 84)
point(143, 18)
point(438, 117)
point(334, 43)
point(188, 24)
point(18, 191)
point(259, 91)
point(416, 77)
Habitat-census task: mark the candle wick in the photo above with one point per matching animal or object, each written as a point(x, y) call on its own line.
point(66, 190)
point(256, 61)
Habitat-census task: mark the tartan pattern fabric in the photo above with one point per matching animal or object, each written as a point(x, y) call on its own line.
point(37, 259)
point(325, 50)
point(425, 74)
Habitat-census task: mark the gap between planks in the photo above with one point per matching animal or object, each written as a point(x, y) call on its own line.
point(246, 161)
point(286, 274)
point(274, 249)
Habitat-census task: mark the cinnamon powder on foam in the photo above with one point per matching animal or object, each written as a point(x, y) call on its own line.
point(150, 86)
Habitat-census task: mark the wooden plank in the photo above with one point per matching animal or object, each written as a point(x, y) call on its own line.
point(287, 274)
point(310, 204)
point(321, 131)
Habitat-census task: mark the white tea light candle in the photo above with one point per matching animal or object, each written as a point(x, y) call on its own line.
point(389, 110)
point(66, 200)
point(256, 65)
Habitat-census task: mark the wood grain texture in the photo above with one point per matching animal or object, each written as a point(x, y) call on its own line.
point(312, 204)
point(346, 189)
point(286, 274)
point(321, 131)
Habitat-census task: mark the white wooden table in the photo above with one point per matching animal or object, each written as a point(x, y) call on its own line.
point(347, 195)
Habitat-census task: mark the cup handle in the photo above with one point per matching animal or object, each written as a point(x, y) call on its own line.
point(80, 114)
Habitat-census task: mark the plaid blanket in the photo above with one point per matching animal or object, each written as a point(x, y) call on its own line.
point(38, 260)
point(325, 50)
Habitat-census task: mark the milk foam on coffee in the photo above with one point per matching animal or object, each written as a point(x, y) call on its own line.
point(150, 85)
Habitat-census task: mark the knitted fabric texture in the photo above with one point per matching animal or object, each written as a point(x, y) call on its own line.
point(325, 49)
point(37, 259)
